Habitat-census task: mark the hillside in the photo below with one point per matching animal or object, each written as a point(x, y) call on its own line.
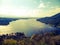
point(6, 21)
point(53, 20)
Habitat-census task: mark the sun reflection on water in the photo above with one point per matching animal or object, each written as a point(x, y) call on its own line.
point(5, 30)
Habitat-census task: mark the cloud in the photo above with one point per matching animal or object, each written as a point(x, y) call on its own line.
point(54, 10)
point(41, 5)
point(48, 12)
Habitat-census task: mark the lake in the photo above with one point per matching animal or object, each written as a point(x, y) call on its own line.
point(27, 26)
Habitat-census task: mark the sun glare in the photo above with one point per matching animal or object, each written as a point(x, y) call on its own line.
point(18, 12)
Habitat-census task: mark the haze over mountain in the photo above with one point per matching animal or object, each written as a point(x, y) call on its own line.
point(6, 21)
point(53, 20)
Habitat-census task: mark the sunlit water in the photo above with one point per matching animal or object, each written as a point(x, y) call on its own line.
point(27, 26)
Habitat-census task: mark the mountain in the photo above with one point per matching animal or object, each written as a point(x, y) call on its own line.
point(53, 20)
point(6, 21)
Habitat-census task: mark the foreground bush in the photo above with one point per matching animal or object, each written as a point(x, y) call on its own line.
point(9, 42)
point(36, 39)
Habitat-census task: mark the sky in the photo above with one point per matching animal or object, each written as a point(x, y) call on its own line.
point(29, 8)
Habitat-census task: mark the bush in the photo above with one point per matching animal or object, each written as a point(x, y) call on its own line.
point(9, 42)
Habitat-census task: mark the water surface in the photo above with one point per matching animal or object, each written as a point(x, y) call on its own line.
point(28, 26)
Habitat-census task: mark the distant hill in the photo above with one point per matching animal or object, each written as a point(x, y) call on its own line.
point(53, 20)
point(6, 21)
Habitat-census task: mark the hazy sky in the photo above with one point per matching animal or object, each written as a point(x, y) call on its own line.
point(29, 8)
